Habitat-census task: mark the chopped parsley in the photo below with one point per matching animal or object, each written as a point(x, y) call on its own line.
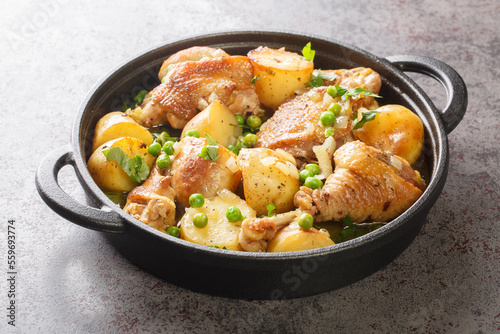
point(254, 79)
point(308, 53)
point(368, 115)
point(344, 93)
point(270, 208)
point(318, 80)
point(136, 167)
point(209, 152)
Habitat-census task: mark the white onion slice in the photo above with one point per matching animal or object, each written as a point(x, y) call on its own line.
point(232, 165)
point(396, 163)
point(324, 160)
point(341, 122)
point(287, 156)
point(268, 161)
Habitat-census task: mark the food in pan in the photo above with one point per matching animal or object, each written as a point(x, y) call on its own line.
point(260, 152)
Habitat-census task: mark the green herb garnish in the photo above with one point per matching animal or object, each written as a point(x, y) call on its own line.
point(318, 79)
point(368, 115)
point(136, 167)
point(270, 208)
point(308, 53)
point(140, 97)
point(209, 152)
point(254, 79)
point(344, 93)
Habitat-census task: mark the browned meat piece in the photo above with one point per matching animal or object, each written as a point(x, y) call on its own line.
point(363, 77)
point(189, 85)
point(367, 185)
point(194, 53)
point(193, 174)
point(153, 201)
point(295, 127)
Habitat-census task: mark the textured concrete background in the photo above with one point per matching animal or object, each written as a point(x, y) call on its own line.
point(71, 281)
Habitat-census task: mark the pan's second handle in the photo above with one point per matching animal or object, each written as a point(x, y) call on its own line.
point(67, 207)
point(455, 87)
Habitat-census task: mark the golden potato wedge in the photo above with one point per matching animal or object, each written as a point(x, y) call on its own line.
point(396, 130)
point(216, 120)
point(269, 177)
point(108, 174)
point(279, 74)
point(117, 124)
point(193, 174)
point(219, 231)
point(292, 238)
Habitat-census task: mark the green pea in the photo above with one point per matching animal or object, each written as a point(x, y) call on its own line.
point(313, 183)
point(233, 214)
point(306, 221)
point(329, 132)
point(240, 119)
point(200, 220)
point(335, 108)
point(163, 138)
point(332, 91)
point(313, 168)
point(168, 147)
point(163, 161)
point(250, 139)
point(173, 231)
point(154, 149)
point(196, 200)
point(254, 121)
point(304, 174)
point(193, 133)
point(327, 118)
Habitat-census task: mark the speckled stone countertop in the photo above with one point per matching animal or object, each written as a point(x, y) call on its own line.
point(70, 280)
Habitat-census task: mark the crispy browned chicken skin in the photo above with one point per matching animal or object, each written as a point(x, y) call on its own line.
point(367, 185)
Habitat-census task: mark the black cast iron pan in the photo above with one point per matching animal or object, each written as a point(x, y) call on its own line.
point(255, 275)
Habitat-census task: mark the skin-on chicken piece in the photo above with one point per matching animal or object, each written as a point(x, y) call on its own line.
point(296, 127)
point(256, 232)
point(193, 174)
point(153, 201)
point(367, 184)
point(363, 77)
point(191, 85)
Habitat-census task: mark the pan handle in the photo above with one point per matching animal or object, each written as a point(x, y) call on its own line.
point(455, 87)
point(67, 207)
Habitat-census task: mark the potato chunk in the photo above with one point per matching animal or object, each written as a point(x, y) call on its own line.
point(216, 120)
point(108, 174)
point(219, 231)
point(193, 174)
point(279, 74)
point(292, 238)
point(269, 177)
point(396, 130)
point(116, 125)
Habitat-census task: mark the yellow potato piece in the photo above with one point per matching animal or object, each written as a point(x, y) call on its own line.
point(115, 125)
point(108, 174)
point(396, 130)
point(216, 120)
point(279, 74)
point(292, 238)
point(219, 231)
point(268, 178)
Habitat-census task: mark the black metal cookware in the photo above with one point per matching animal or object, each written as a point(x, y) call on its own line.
point(255, 275)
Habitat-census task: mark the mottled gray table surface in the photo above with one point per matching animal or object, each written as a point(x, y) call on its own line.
point(70, 280)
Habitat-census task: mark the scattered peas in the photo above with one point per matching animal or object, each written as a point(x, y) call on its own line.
point(196, 200)
point(313, 168)
point(313, 183)
point(332, 91)
point(327, 118)
point(163, 138)
point(306, 221)
point(240, 119)
point(173, 231)
point(163, 161)
point(193, 133)
point(250, 139)
point(168, 147)
point(200, 220)
point(154, 149)
point(304, 174)
point(254, 121)
point(233, 214)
